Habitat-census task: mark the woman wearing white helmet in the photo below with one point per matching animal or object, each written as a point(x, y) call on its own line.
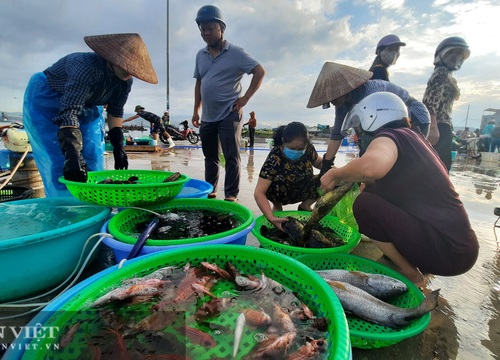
point(409, 206)
point(442, 91)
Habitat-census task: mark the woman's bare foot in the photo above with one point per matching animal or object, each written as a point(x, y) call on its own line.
point(415, 276)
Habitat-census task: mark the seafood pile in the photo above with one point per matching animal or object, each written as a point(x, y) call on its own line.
point(206, 311)
point(135, 179)
point(183, 224)
point(294, 235)
point(364, 294)
point(311, 234)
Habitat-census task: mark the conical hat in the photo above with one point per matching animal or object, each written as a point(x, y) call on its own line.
point(127, 51)
point(336, 80)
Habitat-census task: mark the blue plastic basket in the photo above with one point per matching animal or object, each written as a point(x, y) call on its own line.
point(195, 188)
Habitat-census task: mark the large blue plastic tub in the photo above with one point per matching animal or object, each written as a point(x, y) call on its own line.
point(121, 249)
point(49, 237)
point(195, 188)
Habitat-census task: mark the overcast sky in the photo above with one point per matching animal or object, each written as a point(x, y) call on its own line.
point(290, 38)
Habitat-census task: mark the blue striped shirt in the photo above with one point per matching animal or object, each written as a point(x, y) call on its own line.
point(416, 109)
point(85, 80)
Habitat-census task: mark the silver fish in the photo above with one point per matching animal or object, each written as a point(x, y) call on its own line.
point(381, 286)
point(360, 303)
point(158, 274)
point(144, 288)
point(238, 333)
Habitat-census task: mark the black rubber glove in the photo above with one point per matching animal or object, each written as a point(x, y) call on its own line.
point(325, 166)
point(116, 139)
point(71, 143)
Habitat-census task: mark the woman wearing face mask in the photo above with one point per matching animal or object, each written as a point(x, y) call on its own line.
point(442, 91)
point(287, 174)
point(387, 52)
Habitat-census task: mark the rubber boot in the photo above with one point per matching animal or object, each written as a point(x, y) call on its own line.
point(171, 142)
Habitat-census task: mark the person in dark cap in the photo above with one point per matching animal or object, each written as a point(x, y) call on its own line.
point(442, 91)
point(387, 52)
point(219, 68)
point(62, 109)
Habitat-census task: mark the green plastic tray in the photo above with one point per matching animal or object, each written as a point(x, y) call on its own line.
point(350, 235)
point(123, 225)
point(150, 190)
point(307, 285)
point(364, 334)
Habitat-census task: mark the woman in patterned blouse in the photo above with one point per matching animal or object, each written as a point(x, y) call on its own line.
point(442, 91)
point(287, 174)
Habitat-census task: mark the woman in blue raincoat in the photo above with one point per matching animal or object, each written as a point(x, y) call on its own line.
point(62, 110)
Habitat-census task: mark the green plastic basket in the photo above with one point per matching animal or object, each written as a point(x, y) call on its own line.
point(350, 235)
point(150, 190)
point(364, 334)
point(123, 225)
point(307, 285)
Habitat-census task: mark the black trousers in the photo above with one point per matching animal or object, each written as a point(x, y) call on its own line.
point(443, 146)
point(225, 135)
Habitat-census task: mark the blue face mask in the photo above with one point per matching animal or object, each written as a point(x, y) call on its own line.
point(293, 154)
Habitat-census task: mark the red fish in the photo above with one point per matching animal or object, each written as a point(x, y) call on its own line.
point(199, 337)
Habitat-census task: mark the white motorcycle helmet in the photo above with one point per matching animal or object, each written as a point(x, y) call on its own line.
point(375, 111)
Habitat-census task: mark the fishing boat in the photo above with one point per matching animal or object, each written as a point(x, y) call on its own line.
point(15, 138)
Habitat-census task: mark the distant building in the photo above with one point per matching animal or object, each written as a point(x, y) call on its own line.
point(494, 115)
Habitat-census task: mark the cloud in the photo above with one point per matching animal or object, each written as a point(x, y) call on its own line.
point(292, 40)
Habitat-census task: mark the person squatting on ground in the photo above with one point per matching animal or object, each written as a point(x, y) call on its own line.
point(344, 86)
point(442, 91)
point(252, 124)
point(409, 206)
point(158, 126)
point(286, 177)
point(387, 52)
point(63, 105)
point(219, 69)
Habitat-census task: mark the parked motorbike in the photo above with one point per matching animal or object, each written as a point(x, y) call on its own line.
point(186, 134)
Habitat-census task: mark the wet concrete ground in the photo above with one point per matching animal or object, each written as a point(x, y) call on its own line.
point(466, 324)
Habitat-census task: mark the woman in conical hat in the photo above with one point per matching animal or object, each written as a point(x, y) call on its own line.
point(343, 86)
point(63, 107)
